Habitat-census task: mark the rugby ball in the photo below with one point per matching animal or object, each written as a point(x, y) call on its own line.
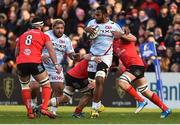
point(93, 36)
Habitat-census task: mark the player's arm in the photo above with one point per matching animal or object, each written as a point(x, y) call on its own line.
point(117, 31)
point(74, 56)
point(17, 48)
point(89, 57)
point(51, 52)
point(127, 36)
point(89, 28)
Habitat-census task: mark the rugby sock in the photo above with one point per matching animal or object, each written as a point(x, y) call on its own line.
point(34, 102)
point(134, 94)
point(26, 97)
point(78, 110)
point(156, 100)
point(46, 94)
point(94, 105)
point(53, 109)
point(99, 104)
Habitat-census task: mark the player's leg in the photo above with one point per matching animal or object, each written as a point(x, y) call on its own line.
point(24, 78)
point(57, 89)
point(35, 90)
point(43, 79)
point(68, 92)
point(124, 81)
point(98, 91)
point(87, 97)
point(143, 88)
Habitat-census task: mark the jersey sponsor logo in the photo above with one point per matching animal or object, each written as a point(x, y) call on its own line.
point(108, 27)
point(27, 52)
point(61, 41)
point(59, 47)
point(105, 31)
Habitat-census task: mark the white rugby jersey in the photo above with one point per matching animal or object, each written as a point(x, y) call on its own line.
point(61, 45)
point(102, 44)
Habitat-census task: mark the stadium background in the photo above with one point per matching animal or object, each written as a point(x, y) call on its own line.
point(149, 20)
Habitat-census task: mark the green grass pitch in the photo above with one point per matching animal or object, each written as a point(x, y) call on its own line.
point(17, 115)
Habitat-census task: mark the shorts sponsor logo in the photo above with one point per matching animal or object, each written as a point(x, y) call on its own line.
point(56, 78)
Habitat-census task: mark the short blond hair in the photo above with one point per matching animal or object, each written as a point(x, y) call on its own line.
point(57, 21)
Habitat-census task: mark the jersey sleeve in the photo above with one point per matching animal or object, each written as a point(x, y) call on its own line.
point(69, 48)
point(46, 38)
point(118, 28)
point(90, 23)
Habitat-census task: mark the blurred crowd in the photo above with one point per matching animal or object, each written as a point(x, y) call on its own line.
point(148, 20)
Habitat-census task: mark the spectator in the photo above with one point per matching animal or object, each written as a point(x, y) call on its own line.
point(152, 8)
point(24, 22)
point(151, 25)
point(175, 67)
point(164, 64)
point(173, 9)
point(135, 22)
point(164, 19)
point(158, 35)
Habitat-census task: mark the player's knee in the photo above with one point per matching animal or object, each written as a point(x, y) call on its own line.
point(101, 70)
point(100, 74)
point(45, 81)
point(143, 88)
point(68, 93)
point(25, 85)
point(125, 78)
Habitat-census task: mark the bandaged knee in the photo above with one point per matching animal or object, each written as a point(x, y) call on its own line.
point(44, 81)
point(68, 93)
point(100, 73)
point(142, 88)
point(25, 85)
point(124, 78)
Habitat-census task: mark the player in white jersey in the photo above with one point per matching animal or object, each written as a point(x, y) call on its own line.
point(63, 46)
point(103, 31)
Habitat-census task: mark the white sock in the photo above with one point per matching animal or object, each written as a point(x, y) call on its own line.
point(53, 101)
point(96, 105)
point(34, 102)
point(99, 104)
point(53, 109)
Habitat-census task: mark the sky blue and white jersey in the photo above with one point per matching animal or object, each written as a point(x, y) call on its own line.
point(102, 44)
point(61, 45)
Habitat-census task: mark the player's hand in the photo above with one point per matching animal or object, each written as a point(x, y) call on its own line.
point(91, 30)
point(75, 56)
point(91, 85)
point(58, 68)
point(45, 58)
point(126, 30)
point(97, 59)
point(87, 56)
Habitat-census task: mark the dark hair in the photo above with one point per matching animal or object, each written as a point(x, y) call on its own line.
point(37, 21)
point(102, 9)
